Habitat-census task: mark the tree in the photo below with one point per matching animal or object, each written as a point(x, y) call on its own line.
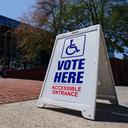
point(48, 15)
point(116, 29)
point(113, 17)
point(32, 42)
point(45, 22)
point(52, 17)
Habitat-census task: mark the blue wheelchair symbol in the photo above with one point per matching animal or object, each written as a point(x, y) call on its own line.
point(72, 48)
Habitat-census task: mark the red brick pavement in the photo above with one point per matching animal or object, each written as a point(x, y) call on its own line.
point(15, 90)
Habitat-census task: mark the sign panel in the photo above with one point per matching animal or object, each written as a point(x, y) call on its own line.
point(72, 75)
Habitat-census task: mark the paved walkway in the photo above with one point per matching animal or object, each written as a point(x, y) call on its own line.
point(15, 90)
point(27, 115)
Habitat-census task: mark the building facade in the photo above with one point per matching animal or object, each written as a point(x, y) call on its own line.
point(7, 40)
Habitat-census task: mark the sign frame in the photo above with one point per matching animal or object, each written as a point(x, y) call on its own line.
point(88, 111)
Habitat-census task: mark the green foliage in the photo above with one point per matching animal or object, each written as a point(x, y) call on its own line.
point(53, 17)
point(116, 29)
point(33, 42)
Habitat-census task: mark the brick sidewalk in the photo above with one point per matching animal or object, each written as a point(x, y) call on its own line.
point(15, 90)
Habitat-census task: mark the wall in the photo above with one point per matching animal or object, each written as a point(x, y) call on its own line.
point(119, 69)
point(34, 74)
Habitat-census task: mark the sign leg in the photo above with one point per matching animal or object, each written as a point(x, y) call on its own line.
point(40, 104)
point(87, 115)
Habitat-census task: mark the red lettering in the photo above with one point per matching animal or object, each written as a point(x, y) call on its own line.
point(66, 90)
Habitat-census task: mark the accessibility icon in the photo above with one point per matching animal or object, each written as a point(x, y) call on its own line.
point(73, 47)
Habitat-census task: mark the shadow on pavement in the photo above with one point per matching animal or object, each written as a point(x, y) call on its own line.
point(65, 111)
point(104, 113)
point(111, 113)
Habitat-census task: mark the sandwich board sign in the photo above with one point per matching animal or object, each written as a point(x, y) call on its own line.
point(78, 72)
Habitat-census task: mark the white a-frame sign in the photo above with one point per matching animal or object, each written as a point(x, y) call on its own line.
point(79, 72)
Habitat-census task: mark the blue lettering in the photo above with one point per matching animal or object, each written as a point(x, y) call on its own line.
point(71, 64)
point(81, 64)
point(67, 65)
point(64, 77)
point(68, 77)
point(60, 65)
point(80, 77)
point(74, 63)
point(57, 77)
point(72, 77)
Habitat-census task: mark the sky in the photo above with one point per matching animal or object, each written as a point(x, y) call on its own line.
point(15, 8)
